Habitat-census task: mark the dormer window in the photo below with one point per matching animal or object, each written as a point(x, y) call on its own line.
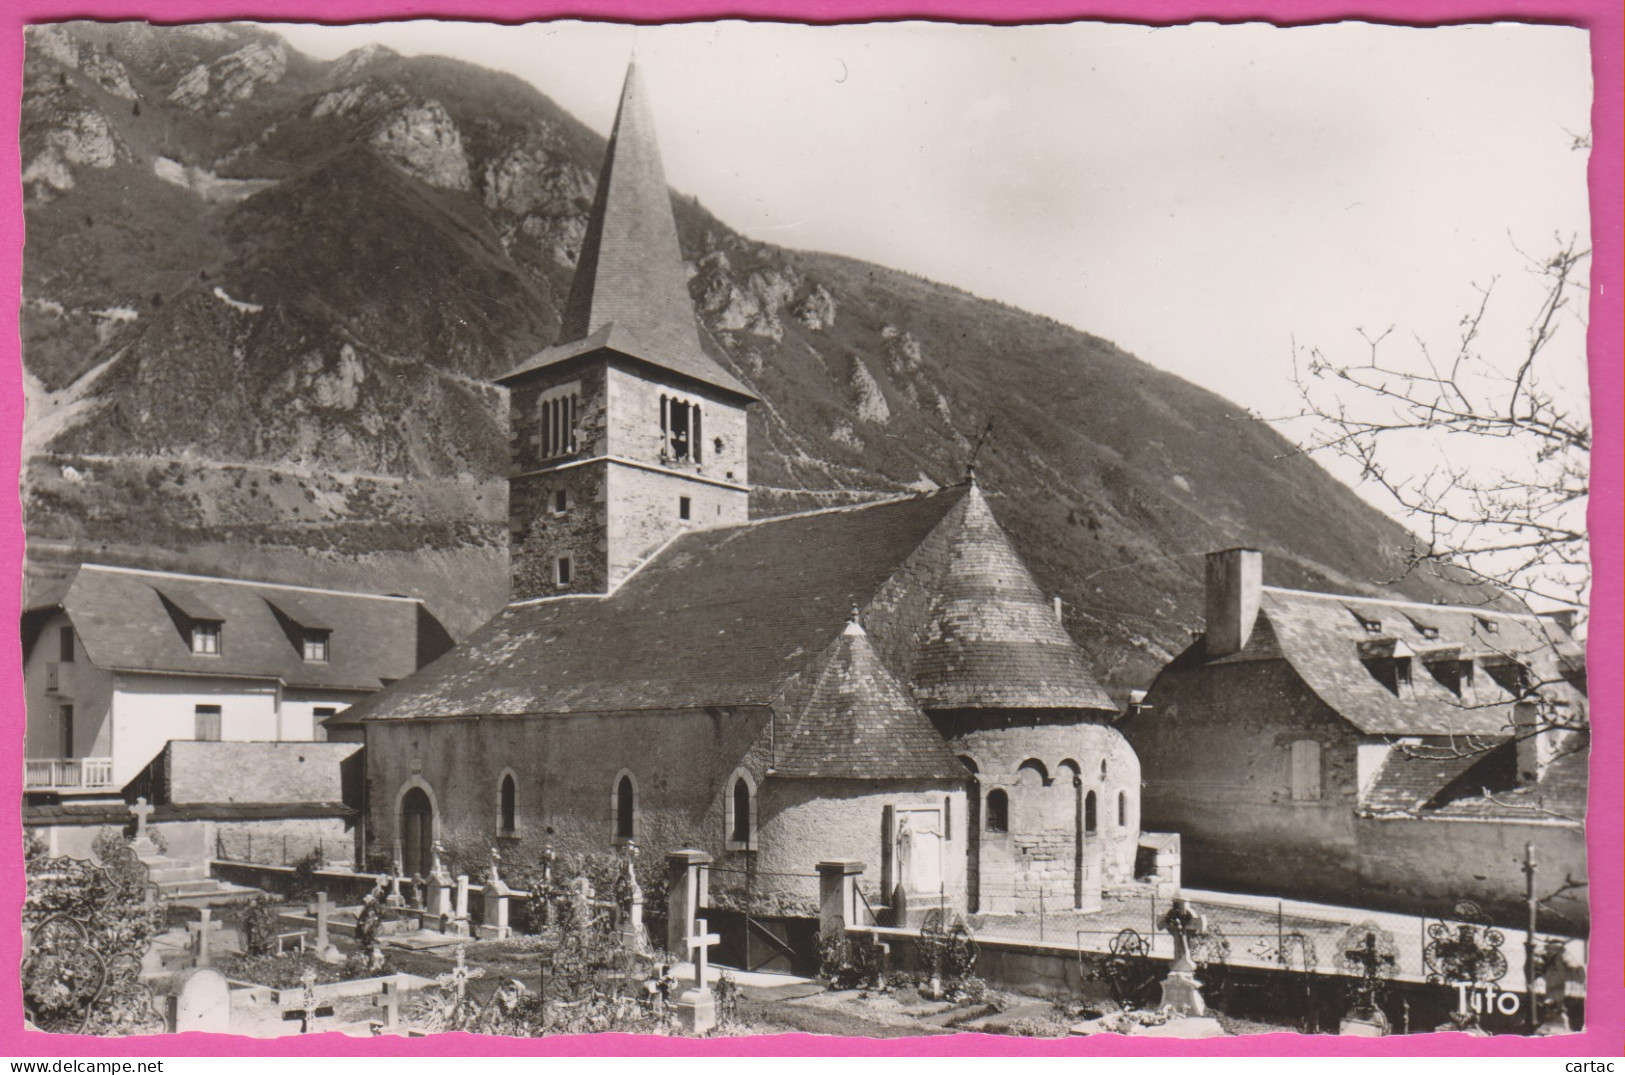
point(1510, 674)
point(1488, 626)
point(316, 645)
point(1426, 630)
point(1370, 625)
point(1389, 662)
point(1454, 673)
point(680, 432)
point(308, 631)
point(206, 638)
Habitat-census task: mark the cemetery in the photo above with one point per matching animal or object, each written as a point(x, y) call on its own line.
point(616, 943)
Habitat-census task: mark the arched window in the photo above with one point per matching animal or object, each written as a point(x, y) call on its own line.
point(507, 804)
point(1090, 822)
point(741, 826)
point(998, 811)
point(1103, 768)
point(1122, 809)
point(626, 808)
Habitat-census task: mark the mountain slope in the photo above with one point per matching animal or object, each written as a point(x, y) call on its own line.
point(264, 296)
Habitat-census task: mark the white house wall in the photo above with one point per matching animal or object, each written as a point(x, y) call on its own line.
point(150, 710)
point(81, 684)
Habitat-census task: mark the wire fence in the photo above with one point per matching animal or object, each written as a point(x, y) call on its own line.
point(1250, 932)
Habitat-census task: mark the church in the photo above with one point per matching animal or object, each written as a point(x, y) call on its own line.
point(884, 683)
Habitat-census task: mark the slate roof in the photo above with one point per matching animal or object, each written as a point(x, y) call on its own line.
point(857, 722)
point(630, 291)
point(1323, 637)
point(717, 617)
point(121, 618)
point(992, 639)
point(739, 615)
point(1477, 780)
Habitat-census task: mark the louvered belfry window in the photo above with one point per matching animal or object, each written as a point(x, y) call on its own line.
point(557, 414)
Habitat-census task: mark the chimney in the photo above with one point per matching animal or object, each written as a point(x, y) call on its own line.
point(1235, 583)
point(1536, 742)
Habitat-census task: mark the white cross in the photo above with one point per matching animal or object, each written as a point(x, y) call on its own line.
point(142, 809)
point(390, 1001)
point(458, 977)
point(201, 930)
point(700, 944)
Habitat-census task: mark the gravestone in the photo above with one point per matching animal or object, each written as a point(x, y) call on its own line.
point(199, 1000)
point(1180, 990)
point(494, 903)
point(202, 930)
point(142, 810)
point(326, 950)
point(459, 917)
point(696, 1007)
point(632, 920)
point(389, 1001)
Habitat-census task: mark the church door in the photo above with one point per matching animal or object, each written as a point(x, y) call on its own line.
point(417, 833)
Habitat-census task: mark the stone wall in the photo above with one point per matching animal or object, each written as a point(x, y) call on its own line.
point(617, 513)
point(805, 822)
point(634, 423)
point(538, 534)
point(566, 769)
point(225, 772)
point(1215, 748)
point(1048, 764)
point(644, 512)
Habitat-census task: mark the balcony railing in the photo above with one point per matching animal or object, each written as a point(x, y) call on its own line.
point(40, 773)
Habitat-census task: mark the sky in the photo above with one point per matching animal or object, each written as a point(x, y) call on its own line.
point(1204, 196)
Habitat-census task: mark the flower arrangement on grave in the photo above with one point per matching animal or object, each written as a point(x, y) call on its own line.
point(368, 959)
point(86, 925)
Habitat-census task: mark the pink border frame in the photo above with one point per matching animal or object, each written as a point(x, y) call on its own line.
point(1605, 1034)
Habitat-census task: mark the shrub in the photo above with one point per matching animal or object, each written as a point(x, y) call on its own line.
point(302, 885)
point(260, 926)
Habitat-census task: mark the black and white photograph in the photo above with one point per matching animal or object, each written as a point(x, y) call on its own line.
point(746, 528)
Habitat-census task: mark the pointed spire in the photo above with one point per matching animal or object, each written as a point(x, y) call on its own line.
point(630, 292)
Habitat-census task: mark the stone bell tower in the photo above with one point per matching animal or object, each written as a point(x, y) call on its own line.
point(626, 432)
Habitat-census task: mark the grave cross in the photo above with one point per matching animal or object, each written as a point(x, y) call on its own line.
point(201, 930)
point(321, 922)
point(142, 810)
point(390, 1001)
point(1183, 923)
point(1372, 962)
point(458, 977)
point(309, 1009)
point(700, 944)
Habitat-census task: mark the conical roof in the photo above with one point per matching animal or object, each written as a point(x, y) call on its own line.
point(856, 722)
point(630, 291)
point(991, 640)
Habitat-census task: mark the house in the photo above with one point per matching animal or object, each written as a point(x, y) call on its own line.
point(884, 682)
point(1370, 752)
point(127, 663)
